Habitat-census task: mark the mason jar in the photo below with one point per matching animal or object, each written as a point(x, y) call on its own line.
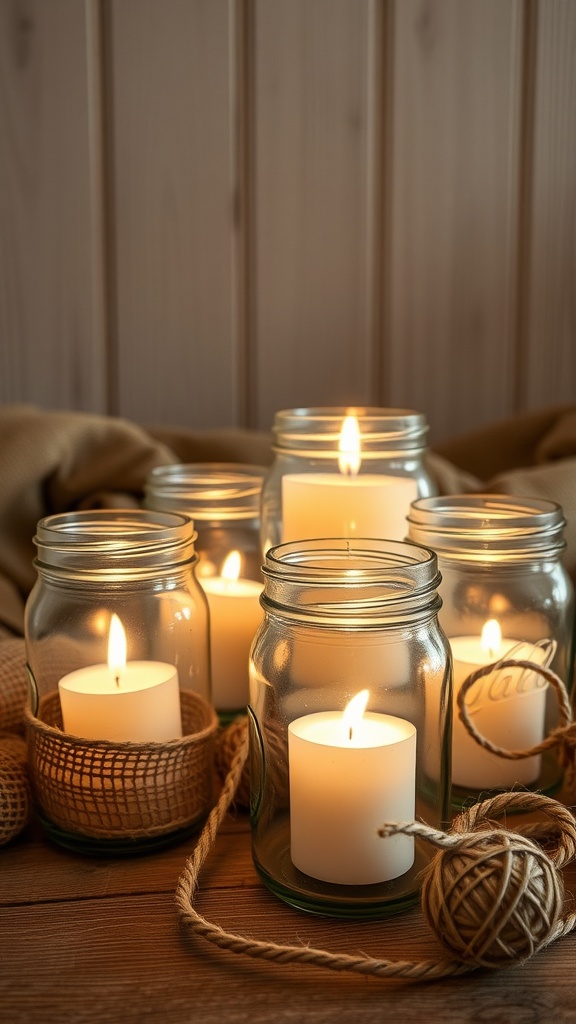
point(116, 632)
point(223, 500)
point(349, 723)
point(505, 594)
point(136, 565)
point(343, 473)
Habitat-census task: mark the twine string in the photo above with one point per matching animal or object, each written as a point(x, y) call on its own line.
point(558, 836)
point(193, 921)
point(562, 736)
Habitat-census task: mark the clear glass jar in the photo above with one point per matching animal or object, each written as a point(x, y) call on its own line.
point(137, 565)
point(324, 482)
point(342, 617)
point(500, 560)
point(223, 499)
point(121, 725)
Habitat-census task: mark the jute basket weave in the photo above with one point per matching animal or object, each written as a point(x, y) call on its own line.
point(127, 791)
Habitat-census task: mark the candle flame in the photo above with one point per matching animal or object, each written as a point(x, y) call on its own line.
point(353, 712)
point(116, 648)
point(491, 638)
point(350, 459)
point(231, 567)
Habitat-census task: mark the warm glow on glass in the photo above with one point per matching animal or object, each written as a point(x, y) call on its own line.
point(353, 712)
point(116, 647)
point(491, 638)
point(350, 459)
point(231, 567)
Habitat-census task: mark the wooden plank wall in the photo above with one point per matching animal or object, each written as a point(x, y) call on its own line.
point(212, 209)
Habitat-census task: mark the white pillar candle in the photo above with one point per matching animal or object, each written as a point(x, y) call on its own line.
point(235, 615)
point(345, 504)
point(335, 505)
point(138, 701)
point(507, 707)
point(347, 779)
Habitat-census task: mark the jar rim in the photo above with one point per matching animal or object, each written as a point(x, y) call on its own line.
point(493, 524)
point(214, 491)
point(100, 526)
point(382, 556)
point(114, 541)
point(362, 579)
point(318, 428)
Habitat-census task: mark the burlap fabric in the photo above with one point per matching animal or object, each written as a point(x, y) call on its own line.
point(15, 795)
point(125, 791)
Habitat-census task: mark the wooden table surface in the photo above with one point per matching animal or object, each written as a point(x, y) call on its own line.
point(91, 940)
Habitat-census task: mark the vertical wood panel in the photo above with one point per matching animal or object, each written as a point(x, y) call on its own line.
point(451, 292)
point(172, 86)
point(51, 299)
point(312, 204)
point(549, 340)
point(223, 312)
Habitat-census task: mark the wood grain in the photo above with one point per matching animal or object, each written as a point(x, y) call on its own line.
point(214, 209)
point(450, 341)
point(548, 343)
point(52, 308)
point(313, 94)
point(92, 877)
point(101, 942)
point(174, 184)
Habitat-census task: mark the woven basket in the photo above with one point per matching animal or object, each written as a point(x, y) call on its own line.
point(122, 791)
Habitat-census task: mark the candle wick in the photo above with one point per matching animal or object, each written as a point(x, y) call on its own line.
point(350, 734)
point(117, 678)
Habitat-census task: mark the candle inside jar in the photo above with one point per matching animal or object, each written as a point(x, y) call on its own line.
point(507, 707)
point(136, 701)
point(349, 773)
point(347, 503)
point(235, 615)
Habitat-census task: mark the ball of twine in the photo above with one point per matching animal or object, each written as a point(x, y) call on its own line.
point(494, 897)
point(494, 900)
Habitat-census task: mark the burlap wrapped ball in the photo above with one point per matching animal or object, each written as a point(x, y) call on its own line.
point(16, 744)
point(15, 792)
point(494, 899)
point(13, 683)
